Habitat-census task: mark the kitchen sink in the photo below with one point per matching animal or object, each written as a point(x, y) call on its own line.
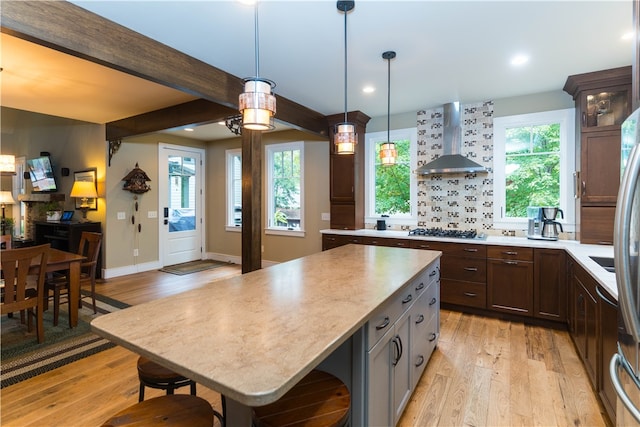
point(604, 262)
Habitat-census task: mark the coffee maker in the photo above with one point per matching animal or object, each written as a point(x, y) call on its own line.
point(549, 224)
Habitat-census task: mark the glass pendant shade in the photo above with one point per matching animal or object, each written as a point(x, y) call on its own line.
point(388, 153)
point(345, 138)
point(257, 105)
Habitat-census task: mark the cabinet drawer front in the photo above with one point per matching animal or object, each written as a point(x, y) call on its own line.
point(422, 349)
point(510, 252)
point(466, 269)
point(386, 241)
point(385, 317)
point(427, 244)
point(426, 279)
point(463, 293)
point(465, 250)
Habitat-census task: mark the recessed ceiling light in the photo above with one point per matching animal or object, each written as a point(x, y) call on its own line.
point(188, 129)
point(368, 89)
point(627, 36)
point(519, 60)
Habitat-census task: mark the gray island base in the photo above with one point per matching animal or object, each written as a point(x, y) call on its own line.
point(354, 311)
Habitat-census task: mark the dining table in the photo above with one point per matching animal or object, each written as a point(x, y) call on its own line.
point(69, 262)
point(252, 337)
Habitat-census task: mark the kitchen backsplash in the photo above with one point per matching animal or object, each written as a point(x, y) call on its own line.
point(461, 200)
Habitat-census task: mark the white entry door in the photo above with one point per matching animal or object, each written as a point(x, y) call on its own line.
point(181, 203)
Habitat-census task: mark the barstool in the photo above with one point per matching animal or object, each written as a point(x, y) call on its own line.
point(319, 399)
point(154, 375)
point(169, 410)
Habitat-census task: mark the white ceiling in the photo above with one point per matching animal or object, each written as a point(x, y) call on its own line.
point(446, 51)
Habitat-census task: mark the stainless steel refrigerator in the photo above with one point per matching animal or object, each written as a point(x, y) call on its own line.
point(625, 365)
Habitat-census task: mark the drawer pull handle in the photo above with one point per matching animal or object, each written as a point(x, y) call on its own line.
point(420, 360)
point(470, 294)
point(432, 337)
point(471, 269)
point(510, 262)
point(510, 253)
point(471, 249)
point(407, 299)
point(424, 246)
point(420, 319)
point(433, 301)
point(604, 243)
point(384, 323)
point(433, 273)
point(420, 286)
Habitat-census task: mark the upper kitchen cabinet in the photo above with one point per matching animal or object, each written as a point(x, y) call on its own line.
point(346, 177)
point(603, 102)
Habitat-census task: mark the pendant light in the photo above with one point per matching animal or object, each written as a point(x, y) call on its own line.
point(388, 152)
point(345, 137)
point(257, 104)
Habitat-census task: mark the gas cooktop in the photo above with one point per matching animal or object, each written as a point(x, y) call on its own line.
point(454, 233)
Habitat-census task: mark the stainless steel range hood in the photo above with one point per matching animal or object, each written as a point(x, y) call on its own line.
point(451, 161)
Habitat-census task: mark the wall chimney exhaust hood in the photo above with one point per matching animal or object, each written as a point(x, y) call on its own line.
point(451, 161)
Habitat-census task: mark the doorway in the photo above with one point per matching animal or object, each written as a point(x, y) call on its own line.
point(181, 203)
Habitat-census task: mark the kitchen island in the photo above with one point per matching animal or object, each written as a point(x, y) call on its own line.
point(253, 337)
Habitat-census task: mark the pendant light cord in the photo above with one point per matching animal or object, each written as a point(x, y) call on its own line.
point(345, 64)
point(388, 99)
point(257, 43)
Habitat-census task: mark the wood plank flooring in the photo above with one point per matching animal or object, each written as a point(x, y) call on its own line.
point(484, 372)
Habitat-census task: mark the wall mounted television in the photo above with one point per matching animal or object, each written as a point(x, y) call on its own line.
point(41, 174)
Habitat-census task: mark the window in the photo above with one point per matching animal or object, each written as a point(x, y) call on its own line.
point(234, 188)
point(391, 190)
point(285, 198)
point(534, 159)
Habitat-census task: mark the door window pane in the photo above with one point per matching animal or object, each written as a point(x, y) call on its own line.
point(182, 193)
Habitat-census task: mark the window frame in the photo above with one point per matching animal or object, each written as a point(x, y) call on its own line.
point(270, 150)
point(566, 119)
point(371, 138)
point(230, 154)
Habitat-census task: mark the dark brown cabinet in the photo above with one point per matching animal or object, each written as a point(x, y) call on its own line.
point(65, 236)
point(463, 280)
point(346, 177)
point(607, 347)
point(510, 279)
point(584, 331)
point(603, 102)
point(550, 284)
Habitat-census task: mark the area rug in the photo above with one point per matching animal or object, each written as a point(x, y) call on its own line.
point(193, 266)
point(21, 357)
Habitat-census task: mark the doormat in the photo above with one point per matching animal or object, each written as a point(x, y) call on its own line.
point(193, 266)
point(22, 357)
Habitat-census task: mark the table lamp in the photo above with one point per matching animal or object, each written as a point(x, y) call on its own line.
point(84, 190)
point(6, 198)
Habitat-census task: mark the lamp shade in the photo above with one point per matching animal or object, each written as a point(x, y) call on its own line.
point(6, 198)
point(7, 163)
point(84, 189)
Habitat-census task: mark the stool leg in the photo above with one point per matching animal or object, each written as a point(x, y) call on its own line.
point(193, 388)
point(141, 394)
point(170, 390)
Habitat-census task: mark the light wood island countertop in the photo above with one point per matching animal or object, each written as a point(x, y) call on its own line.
point(252, 337)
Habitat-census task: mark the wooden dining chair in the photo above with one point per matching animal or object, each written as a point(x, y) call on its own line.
point(17, 265)
point(5, 241)
point(89, 247)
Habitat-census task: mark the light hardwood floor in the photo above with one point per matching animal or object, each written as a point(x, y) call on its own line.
point(484, 372)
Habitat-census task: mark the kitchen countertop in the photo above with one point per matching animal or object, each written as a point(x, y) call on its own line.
point(580, 252)
point(252, 337)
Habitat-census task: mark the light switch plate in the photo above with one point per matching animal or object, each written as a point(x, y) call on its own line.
point(325, 216)
point(121, 215)
point(152, 214)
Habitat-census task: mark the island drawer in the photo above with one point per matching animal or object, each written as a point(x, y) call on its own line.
point(466, 269)
point(463, 293)
point(385, 317)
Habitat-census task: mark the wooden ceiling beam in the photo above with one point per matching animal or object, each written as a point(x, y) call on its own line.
point(190, 113)
point(68, 28)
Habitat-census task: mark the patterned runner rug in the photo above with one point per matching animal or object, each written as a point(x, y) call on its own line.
point(193, 266)
point(21, 357)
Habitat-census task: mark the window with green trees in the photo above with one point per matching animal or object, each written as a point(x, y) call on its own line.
point(533, 165)
point(285, 186)
point(391, 189)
